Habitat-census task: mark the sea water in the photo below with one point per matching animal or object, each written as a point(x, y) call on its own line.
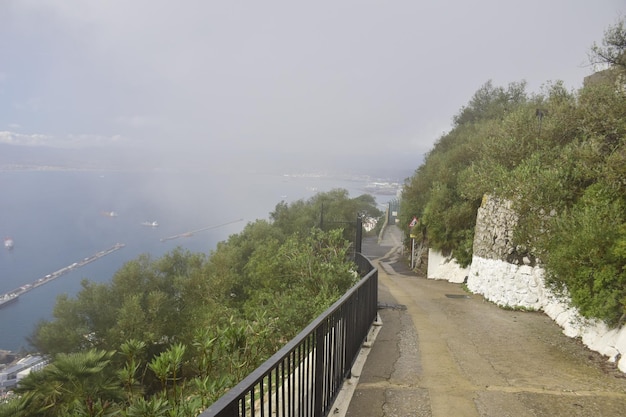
point(57, 218)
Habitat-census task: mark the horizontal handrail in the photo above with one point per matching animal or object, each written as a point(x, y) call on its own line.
point(305, 376)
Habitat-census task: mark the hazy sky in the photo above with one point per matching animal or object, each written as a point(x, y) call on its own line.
point(208, 78)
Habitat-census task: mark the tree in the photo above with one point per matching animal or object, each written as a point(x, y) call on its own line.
point(491, 102)
point(583, 255)
point(299, 278)
point(190, 325)
point(330, 210)
point(559, 157)
point(154, 301)
point(612, 52)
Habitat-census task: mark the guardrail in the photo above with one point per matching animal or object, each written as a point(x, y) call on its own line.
point(304, 377)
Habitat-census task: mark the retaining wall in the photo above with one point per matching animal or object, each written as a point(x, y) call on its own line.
point(502, 276)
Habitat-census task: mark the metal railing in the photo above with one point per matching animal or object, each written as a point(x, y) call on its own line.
point(304, 378)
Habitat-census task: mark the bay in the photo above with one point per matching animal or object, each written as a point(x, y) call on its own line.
point(56, 218)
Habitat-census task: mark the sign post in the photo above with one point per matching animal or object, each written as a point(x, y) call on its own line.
point(412, 252)
point(411, 226)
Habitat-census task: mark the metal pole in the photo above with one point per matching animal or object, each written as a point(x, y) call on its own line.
point(359, 234)
point(412, 253)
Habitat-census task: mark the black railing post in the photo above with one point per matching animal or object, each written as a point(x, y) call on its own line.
point(359, 234)
point(320, 336)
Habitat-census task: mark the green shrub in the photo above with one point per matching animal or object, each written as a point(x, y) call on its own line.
point(584, 254)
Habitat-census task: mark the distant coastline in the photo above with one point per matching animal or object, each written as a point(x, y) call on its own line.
point(16, 167)
point(375, 185)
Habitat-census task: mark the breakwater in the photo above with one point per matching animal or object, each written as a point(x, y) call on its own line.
point(12, 296)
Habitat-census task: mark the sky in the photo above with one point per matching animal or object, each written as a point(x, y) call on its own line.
point(275, 80)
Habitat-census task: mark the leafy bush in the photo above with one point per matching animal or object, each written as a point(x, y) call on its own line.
point(559, 157)
point(584, 254)
point(188, 325)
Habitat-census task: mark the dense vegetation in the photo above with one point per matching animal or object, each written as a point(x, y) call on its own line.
point(560, 157)
point(166, 337)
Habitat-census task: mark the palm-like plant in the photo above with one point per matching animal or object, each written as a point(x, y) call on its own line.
point(167, 367)
point(74, 383)
point(132, 351)
point(154, 407)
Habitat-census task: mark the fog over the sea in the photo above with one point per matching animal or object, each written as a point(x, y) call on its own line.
point(274, 83)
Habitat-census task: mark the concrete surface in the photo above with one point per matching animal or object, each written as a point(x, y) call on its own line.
point(443, 352)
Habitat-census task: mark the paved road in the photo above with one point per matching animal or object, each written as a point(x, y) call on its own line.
point(442, 352)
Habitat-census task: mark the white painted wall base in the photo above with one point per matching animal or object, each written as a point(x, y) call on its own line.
point(520, 286)
point(524, 286)
point(442, 267)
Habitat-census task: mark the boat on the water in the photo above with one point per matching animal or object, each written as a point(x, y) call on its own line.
point(150, 224)
point(8, 242)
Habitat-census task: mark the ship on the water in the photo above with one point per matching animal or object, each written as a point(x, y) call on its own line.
point(8, 242)
point(150, 224)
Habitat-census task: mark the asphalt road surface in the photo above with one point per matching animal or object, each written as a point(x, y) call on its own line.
point(443, 352)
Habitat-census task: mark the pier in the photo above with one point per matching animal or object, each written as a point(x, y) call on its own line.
point(192, 232)
point(12, 296)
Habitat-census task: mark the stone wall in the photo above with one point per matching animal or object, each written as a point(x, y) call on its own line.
point(498, 271)
point(493, 237)
point(503, 276)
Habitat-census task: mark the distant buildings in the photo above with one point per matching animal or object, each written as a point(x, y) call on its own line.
point(12, 374)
